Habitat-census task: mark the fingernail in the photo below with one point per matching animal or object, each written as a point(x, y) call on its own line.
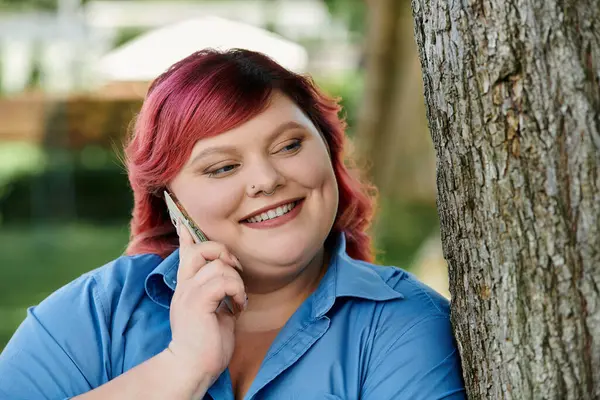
point(237, 262)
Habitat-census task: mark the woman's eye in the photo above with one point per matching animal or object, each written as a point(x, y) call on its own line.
point(295, 145)
point(223, 170)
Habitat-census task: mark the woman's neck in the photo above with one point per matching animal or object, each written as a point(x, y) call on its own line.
point(271, 309)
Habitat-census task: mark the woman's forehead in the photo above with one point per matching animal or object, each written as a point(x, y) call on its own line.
point(281, 115)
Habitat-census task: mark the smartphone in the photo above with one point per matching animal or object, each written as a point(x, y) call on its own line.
point(177, 214)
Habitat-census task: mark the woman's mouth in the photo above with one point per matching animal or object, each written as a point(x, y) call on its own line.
point(273, 213)
point(276, 216)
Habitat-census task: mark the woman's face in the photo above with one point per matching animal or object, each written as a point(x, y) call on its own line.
point(222, 186)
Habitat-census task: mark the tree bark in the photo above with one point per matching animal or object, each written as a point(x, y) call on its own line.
point(513, 102)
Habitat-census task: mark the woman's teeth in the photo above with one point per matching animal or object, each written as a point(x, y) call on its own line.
point(274, 213)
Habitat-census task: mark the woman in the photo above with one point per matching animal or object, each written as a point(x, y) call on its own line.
point(254, 154)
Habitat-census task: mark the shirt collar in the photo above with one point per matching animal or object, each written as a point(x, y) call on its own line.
point(345, 277)
point(161, 282)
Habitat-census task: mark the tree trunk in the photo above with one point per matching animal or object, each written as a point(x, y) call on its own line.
point(513, 103)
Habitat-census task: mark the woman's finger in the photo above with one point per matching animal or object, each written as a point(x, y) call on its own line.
point(214, 250)
point(194, 257)
point(216, 289)
point(215, 268)
point(185, 237)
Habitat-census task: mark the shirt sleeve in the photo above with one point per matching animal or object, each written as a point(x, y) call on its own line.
point(421, 363)
point(61, 348)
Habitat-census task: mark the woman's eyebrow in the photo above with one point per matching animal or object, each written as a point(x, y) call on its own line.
point(284, 127)
point(211, 150)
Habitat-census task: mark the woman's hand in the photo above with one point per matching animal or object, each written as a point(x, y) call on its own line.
point(201, 323)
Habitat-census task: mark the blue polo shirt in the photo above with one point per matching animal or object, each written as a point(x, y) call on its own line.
point(367, 332)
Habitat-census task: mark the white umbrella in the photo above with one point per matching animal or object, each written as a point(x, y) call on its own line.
point(147, 56)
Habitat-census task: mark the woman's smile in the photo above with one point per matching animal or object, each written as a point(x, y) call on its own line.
point(275, 216)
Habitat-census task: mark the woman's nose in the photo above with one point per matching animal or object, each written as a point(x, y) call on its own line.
point(263, 177)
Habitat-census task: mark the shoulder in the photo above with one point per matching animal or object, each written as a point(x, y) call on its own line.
point(417, 299)
point(99, 295)
point(126, 273)
point(413, 341)
point(123, 274)
point(416, 309)
point(68, 340)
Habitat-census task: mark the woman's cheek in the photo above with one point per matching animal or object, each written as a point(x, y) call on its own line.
point(214, 204)
point(310, 170)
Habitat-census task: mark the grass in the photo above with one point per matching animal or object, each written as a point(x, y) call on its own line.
point(35, 261)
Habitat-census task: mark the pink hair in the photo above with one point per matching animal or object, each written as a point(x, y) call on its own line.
point(218, 91)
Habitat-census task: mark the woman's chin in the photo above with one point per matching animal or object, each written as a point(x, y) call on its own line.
point(281, 258)
point(287, 247)
point(283, 253)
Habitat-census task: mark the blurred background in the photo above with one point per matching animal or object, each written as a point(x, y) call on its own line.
point(73, 73)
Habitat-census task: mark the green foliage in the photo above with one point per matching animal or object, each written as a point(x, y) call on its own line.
point(401, 228)
point(45, 5)
point(348, 87)
point(89, 185)
point(23, 5)
point(126, 34)
point(18, 159)
point(352, 12)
